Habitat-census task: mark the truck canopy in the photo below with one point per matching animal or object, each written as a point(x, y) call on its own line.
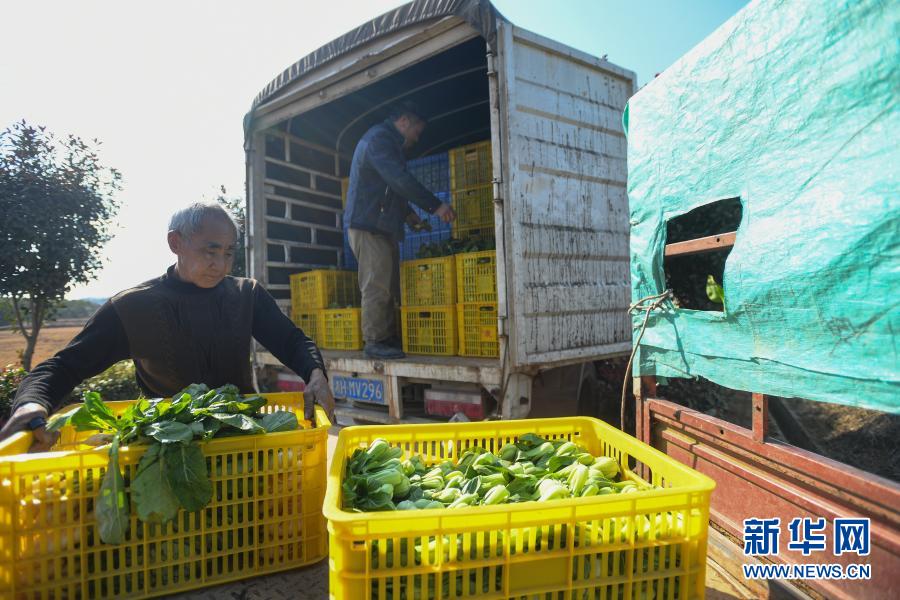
point(480, 14)
point(800, 123)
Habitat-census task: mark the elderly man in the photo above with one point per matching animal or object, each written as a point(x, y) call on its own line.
point(191, 325)
point(377, 206)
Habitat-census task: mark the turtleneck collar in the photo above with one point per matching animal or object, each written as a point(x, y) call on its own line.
point(171, 280)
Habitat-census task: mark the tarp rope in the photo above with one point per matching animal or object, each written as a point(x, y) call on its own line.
point(654, 302)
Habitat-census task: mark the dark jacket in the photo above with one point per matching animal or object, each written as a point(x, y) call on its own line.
point(381, 187)
point(177, 334)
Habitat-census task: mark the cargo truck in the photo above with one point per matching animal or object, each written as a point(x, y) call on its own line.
point(553, 115)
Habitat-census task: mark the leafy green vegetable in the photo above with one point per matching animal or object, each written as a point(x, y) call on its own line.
point(111, 508)
point(93, 414)
point(169, 432)
point(186, 472)
point(455, 246)
point(530, 469)
point(172, 473)
point(280, 420)
point(238, 421)
point(151, 495)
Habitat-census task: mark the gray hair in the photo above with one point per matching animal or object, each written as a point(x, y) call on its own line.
point(188, 220)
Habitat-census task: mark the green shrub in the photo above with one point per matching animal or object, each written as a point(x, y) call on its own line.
point(116, 383)
point(10, 378)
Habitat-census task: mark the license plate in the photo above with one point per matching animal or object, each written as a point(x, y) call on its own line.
point(358, 389)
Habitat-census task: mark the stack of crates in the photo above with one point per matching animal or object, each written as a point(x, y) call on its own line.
point(325, 305)
point(476, 311)
point(428, 312)
point(472, 191)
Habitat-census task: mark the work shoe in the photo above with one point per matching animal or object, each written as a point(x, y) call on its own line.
point(382, 351)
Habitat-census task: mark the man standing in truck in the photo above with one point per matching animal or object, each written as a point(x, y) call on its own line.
point(377, 207)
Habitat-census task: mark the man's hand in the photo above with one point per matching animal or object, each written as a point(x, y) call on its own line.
point(18, 421)
point(318, 392)
point(416, 223)
point(445, 212)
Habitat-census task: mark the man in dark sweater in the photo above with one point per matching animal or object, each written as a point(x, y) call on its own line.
point(377, 206)
point(191, 325)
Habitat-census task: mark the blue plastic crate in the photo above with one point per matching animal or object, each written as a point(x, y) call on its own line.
point(432, 171)
point(409, 248)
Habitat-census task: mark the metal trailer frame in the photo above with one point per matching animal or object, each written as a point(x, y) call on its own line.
point(774, 477)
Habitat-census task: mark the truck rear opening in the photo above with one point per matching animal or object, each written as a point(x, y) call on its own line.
point(552, 116)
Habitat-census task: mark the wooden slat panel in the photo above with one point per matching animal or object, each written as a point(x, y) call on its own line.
point(704, 244)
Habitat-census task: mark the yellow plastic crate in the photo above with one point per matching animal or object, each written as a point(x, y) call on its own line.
point(311, 323)
point(429, 330)
point(324, 288)
point(476, 276)
point(342, 329)
point(265, 516)
point(470, 165)
point(649, 544)
point(428, 281)
point(474, 208)
point(477, 323)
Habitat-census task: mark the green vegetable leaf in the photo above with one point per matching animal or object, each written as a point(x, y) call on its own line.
point(170, 432)
point(187, 475)
point(195, 390)
point(280, 420)
point(530, 440)
point(239, 421)
point(472, 485)
point(558, 462)
point(58, 422)
point(233, 405)
point(162, 409)
point(111, 509)
point(523, 485)
point(210, 427)
point(152, 496)
point(94, 414)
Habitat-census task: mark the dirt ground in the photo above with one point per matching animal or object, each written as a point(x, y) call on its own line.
point(50, 341)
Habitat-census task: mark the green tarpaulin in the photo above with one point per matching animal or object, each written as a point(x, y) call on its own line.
point(793, 108)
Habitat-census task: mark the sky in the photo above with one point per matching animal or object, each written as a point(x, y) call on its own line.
point(165, 85)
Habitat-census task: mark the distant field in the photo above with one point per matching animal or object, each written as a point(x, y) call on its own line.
point(50, 341)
